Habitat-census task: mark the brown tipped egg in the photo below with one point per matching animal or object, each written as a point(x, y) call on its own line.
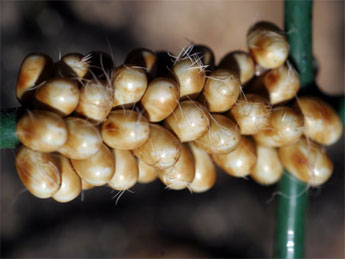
point(205, 171)
point(129, 84)
point(267, 45)
point(59, 94)
point(41, 130)
point(97, 169)
point(96, 100)
point(222, 137)
point(268, 169)
point(307, 161)
point(282, 84)
point(189, 121)
point(241, 63)
point(285, 127)
point(70, 181)
point(147, 173)
point(182, 173)
point(35, 69)
point(144, 58)
point(73, 65)
point(161, 150)
point(125, 129)
point(160, 99)
point(38, 172)
point(251, 113)
point(190, 76)
point(204, 54)
point(221, 91)
point(83, 139)
point(240, 162)
point(321, 122)
point(126, 170)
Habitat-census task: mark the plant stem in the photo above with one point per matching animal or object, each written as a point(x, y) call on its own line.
point(292, 203)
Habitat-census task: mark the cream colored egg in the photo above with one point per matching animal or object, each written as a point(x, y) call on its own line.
point(241, 63)
point(161, 150)
point(70, 181)
point(59, 94)
point(240, 162)
point(96, 100)
point(36, 68)
point(190, 76)
point(83, 141)
point(222, 137)
point(41, 130)
point(126, 170)
point(285, 127)
point(147, 173)
point(282, 84)
point(321, 123)
point(221, 91)
point(251, 113)
point(180, 175)
point(268, 169)
point(129, 84)
point(205, 171)
point(160, 99)
point(75, 65)
point(267, 45)
point(125, 129)
point(98, 169)
point(38, 172)
point(189, 121)
point(307, 161)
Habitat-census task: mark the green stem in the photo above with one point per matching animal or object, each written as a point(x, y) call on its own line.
point(292, 203)
point(8, 121)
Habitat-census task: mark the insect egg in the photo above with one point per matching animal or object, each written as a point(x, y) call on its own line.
point(160, 99)
point(307, 161)
point(83, 139)
point(59, 94)
point(241, 63)
point(161, 150)
point(221, 90)
point(251, 112)
point(38, 172)
point(205, 171)
point(34, 70)
point(267, 45)
point(97, 169)
point(190, 76)
point(321, 122)
point(126, 170)
point(129, 84)
point(268, 169)
point(222, 137)
point(182, 173)
point(125, 129)
point(96, 100)
point(189, 121)
point(147, 173)
point(70, 181)
point(41, 130)
point(241, 161)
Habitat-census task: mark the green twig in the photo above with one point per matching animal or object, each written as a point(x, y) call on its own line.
point(292, 203)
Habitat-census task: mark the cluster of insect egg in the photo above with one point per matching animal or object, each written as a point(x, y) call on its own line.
point(90, 124)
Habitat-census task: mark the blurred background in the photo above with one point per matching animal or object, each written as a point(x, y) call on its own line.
point(236, 217)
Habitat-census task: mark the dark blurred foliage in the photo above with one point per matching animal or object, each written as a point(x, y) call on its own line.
point(234, 219)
